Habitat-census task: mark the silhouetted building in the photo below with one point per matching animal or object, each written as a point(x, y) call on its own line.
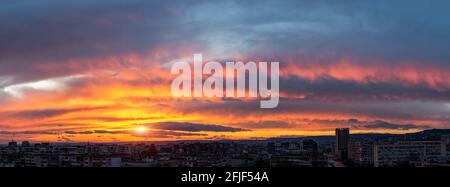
point(445, 141)
point(407, 153)
point(12, 144)
point(342, 143)
point(361, 153)
point(25, 144)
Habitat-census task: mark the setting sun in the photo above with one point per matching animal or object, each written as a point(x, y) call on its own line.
point(141, 129)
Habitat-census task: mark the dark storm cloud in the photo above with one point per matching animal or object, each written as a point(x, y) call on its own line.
point(398, 29)
point(385, 125)
point(66, 30)
point(372, 125)
point(97, 132)
point(167, 134)
point(394, 110)
point(107, 119)
point(27, 132)
point(149, 134)
point(46, 113)
point(328, 88)
point(84, 28)
point(193, 127)
point(266, 124)
point(40, 32)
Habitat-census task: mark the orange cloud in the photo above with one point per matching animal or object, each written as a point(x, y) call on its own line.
point(119, 93)
point(364, 71)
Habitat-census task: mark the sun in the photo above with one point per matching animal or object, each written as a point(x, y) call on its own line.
point(141, 129)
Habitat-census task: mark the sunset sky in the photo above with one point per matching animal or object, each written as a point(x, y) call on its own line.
point(99, 71)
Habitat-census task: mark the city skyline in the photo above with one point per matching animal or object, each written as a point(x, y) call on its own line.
point(429, 148)
point(96, 71)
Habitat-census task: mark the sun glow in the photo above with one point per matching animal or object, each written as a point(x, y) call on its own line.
point(141, 129)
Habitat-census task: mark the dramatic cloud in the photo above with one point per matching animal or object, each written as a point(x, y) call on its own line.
point(386, 125)
point(193, 127)
point(93, 70)
point(169, 134)
point(26, 132)
point(266, 124)
point(96, 132)
point(328, 88)
point(56, 84)
point(372, 125)
point(47, 113)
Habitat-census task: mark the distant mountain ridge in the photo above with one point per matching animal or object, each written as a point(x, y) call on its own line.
point(430, 134)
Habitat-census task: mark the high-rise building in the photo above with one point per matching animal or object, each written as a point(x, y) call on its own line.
point(342, 143)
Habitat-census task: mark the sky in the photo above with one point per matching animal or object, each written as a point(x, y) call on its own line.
point(99, 71)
